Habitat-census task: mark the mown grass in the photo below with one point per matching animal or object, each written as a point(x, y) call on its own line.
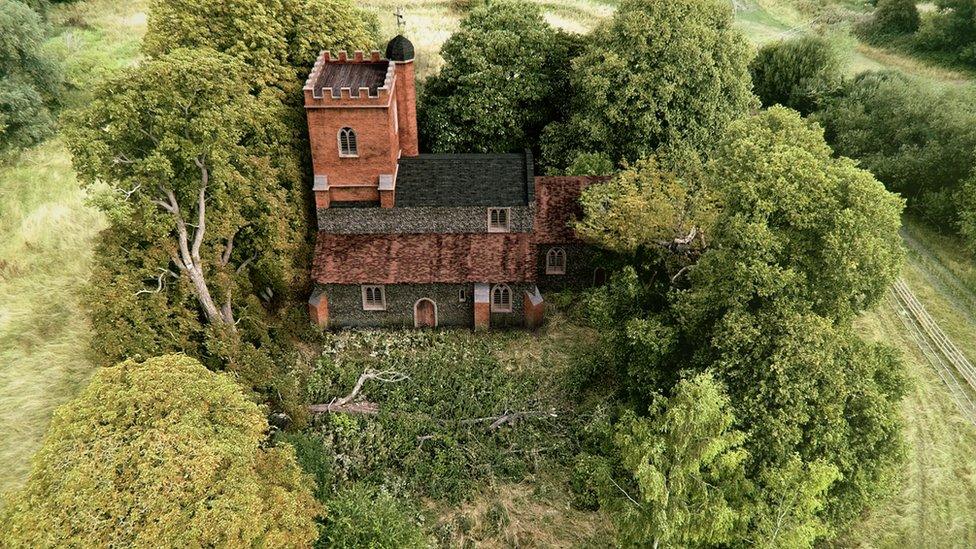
point(46, 238)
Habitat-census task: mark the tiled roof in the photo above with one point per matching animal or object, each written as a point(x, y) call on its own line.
point(423, 258)
point(465, 180)
point(557, 205)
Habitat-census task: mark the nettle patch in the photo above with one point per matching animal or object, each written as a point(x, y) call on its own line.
point(460, 415)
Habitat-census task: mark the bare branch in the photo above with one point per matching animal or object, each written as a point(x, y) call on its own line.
point(228, 248)
point(345, 404)
point(201, 208)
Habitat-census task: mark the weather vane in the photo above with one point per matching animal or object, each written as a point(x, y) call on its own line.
point(399, 17)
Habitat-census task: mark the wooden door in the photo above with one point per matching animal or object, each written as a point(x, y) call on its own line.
point(425, 314)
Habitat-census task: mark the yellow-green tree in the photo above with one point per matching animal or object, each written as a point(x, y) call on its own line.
point(162, 453)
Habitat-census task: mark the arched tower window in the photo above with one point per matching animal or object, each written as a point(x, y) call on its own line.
point(556, 261)
point(501, 299)
point(347, 142)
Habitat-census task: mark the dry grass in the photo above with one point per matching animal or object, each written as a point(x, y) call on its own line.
point(46, 236)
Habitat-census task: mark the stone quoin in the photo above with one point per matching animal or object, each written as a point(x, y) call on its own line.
point(426, 240)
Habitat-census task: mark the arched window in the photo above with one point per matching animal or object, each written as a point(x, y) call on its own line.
point(347, 142)
point(556, 261)
point(501, 299)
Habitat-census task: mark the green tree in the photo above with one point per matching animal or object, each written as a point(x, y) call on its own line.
point(505, 71)
point(656, 73)
point(201, 224)
point(687, 463)
point(799, 73)
point(30, 82)
point(893, 17)
point(886, 121)
point(277, 39)
point(161, 453)
point(797, 222)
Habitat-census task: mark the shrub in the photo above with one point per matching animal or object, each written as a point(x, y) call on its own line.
point(799, 73)
point(894, 17)
point(30, 82)
point(161, 453)
point(886, 120)
point(366, 516)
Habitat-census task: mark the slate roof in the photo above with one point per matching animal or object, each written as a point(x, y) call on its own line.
point(352, 75)
point(465, 180)
point(423, 258)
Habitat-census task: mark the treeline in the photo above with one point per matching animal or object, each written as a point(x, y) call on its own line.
point(918, 139)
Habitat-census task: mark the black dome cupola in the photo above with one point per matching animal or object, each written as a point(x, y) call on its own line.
point(399, 49)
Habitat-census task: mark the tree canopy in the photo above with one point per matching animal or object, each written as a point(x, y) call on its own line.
point(161, 453)
point(505, 71)
point(30, 81)
point(655, 73)
point(886, 121)
point(687, 463)
point(277, 39)
point(196, 205)
point(753, 269)
point(800, 73)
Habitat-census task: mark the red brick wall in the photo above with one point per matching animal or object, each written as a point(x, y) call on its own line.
point(376, 141)
point(406, 97)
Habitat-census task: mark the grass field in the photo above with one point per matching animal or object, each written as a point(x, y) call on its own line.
point(46, 235)
point(46, 232)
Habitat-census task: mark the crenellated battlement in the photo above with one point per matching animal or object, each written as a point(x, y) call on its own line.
point(349, 80)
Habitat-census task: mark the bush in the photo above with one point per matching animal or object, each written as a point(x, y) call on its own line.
point(366, 516)
point(800, 73)
point(161, 453)
point(893, 17)
point(30, 82)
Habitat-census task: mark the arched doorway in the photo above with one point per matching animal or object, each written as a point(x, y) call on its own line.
point(425, 313)
point(599, 276)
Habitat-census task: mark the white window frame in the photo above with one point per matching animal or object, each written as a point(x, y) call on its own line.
point(462, 295)
point(499, 227)
point(371, 304)
point(552, 267)
point(501, 307)
point(351, 144)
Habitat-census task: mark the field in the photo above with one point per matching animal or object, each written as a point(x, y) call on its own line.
point(47, 230)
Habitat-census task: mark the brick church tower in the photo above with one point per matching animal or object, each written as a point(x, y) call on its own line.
point(362, 118)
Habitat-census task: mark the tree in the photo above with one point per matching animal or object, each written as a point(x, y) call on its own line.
point(654, 74)
point(886, 121)
point(796, 223)
point(800, 243)
point(687, 463)
point(799, 73)
point(30, 82)
point(277, 39)
point(161, 453)
point(201, 224)
point(505, 70)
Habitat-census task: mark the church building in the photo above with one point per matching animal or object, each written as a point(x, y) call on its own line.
point(426, 240)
